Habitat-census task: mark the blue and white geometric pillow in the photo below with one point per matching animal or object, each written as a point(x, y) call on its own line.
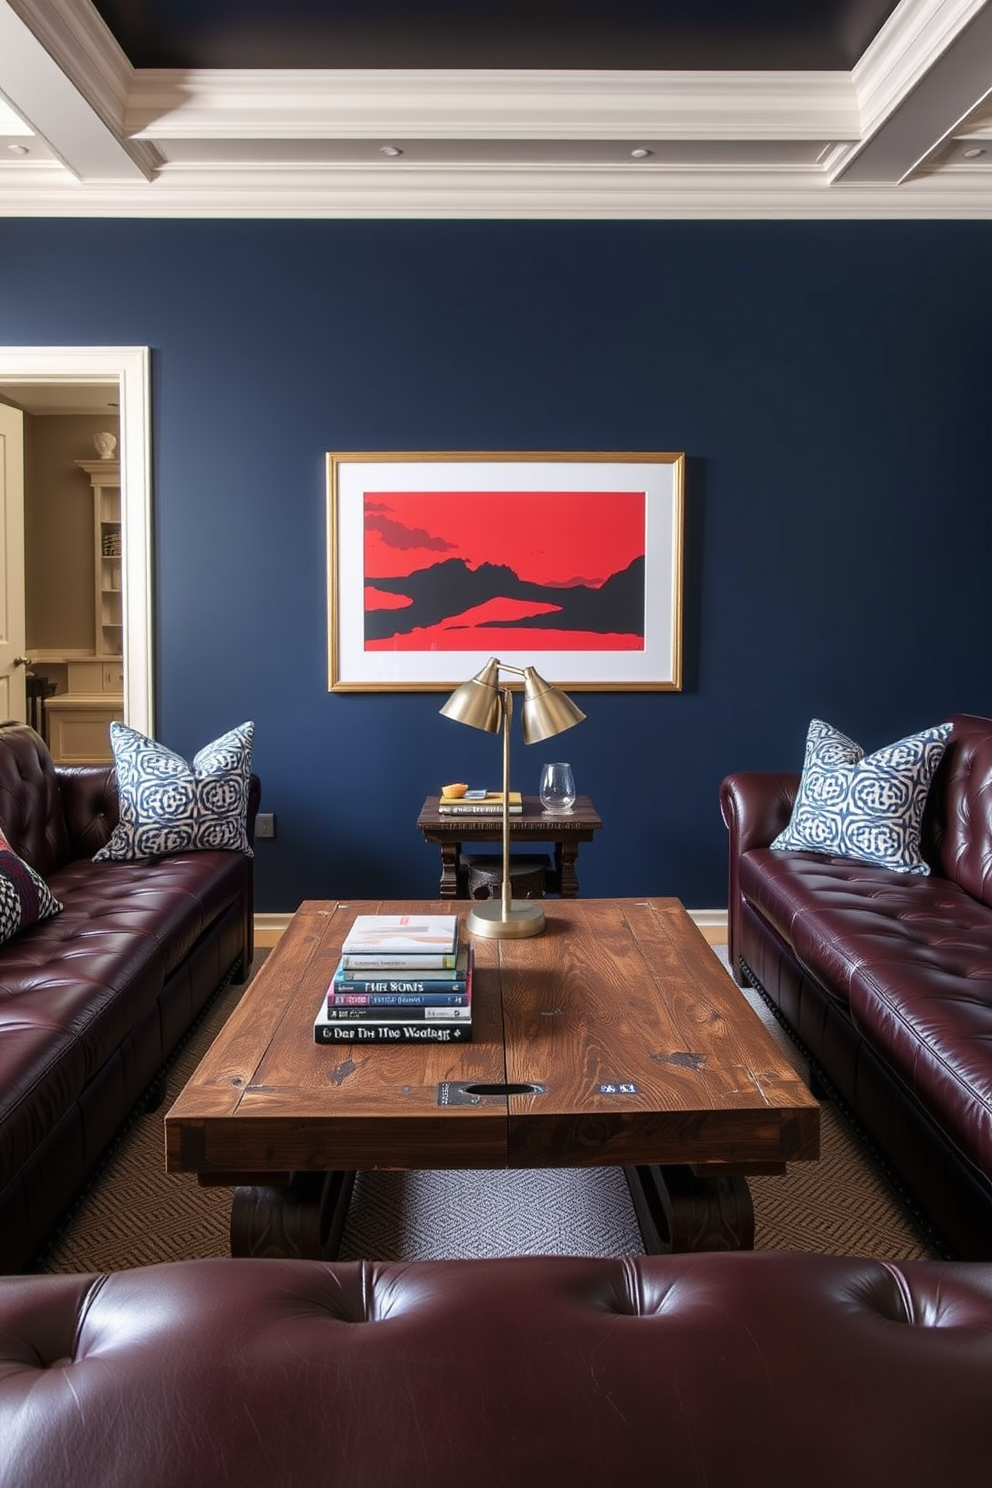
point(866, 807)
point(168, 806)
point(25, 897)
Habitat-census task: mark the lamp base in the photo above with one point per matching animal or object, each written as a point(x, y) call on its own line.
point(526, 918)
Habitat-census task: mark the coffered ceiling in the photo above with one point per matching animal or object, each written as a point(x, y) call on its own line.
point(496, 108)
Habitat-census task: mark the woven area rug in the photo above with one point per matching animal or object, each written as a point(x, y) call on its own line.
point(137, 1214)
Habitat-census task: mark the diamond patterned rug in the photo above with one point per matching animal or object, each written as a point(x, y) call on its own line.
point(137, 1214)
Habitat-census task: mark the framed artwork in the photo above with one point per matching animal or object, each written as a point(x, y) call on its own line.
point(570, 563)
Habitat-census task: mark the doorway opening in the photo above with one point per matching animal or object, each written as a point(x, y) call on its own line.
point(53, 379)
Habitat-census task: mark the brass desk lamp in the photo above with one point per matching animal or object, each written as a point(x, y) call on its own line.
point(485, 702)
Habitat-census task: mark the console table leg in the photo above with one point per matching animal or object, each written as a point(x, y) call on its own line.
point(303, 1220)
point(568, 878)
point(450, 855)
point(678, 1210)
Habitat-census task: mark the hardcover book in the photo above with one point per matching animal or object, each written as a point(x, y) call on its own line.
point(382, 1003)
point(397, 1013)
point(489, 803)
point(423, 962)
point(409, 935)
point(398, 1031)
point(409, 981)
point(476, 808)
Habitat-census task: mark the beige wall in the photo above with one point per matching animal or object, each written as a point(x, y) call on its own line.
point(58, 529)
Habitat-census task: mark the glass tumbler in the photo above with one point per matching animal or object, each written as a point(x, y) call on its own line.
point(557, 789)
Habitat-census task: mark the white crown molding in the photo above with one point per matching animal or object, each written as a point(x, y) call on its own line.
point(824, 144)
point(491, 104)
point(492, 191)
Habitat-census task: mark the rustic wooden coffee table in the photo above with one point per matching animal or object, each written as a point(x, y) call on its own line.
point(613, 1039)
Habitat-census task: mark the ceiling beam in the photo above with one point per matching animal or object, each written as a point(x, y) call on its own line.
point(60, 74)
point(925, 73)
point(491, 104)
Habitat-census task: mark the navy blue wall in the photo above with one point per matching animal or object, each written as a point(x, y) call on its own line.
point(828, 383)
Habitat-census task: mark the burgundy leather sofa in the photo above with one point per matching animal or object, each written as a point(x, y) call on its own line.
point(694, 1371)
point(93, 1000)
point(885, 979)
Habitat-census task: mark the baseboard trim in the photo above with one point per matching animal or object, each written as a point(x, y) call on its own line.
point(712, 923)
point(269, 927)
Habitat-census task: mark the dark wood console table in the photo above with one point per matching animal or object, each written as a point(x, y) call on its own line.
point(566, 830)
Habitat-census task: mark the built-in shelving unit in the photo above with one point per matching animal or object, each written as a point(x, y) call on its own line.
point(109, 628)
point(79, 718)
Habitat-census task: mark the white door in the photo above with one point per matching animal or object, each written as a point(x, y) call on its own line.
point(13, 703)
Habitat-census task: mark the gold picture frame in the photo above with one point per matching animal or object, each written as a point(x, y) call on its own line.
point(568, 562)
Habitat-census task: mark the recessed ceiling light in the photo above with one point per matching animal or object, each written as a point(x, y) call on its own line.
point(640, 153)
point(973, 152)
point(18, 149)
point(390, 150)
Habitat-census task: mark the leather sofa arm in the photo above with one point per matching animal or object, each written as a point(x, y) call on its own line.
point(755, 805)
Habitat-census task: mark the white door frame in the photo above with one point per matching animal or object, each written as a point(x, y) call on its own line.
point(130, 365)
point(13, 700)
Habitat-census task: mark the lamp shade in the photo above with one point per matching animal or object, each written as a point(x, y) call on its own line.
point(545, 712)
point(477, 702)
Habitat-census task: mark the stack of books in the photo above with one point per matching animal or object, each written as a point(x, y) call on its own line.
point(480, 803)
point(401, 979)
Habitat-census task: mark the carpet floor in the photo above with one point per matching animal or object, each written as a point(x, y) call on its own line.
point(136, 1213)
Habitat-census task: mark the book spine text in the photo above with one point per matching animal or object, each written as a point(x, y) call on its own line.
point(396, 1014)
point(392, 1033)
point(478, 810)
point(339, 997)
point(382, 961)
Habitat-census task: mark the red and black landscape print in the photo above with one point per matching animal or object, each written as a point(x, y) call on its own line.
point(498, 571)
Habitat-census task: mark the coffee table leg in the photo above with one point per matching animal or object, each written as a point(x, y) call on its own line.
point(679, 1210)
point(304, 1219)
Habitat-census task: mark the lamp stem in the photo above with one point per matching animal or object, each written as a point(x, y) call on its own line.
point(507, 897)
point(486, 703)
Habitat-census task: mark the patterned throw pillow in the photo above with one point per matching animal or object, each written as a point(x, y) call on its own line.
point(168, 806)
point(24, 896)
point(864, 807)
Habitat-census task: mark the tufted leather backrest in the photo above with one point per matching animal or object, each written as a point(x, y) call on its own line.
point(957, 823)
point(30, 799)
point(90, 806)
point(722, 1369)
